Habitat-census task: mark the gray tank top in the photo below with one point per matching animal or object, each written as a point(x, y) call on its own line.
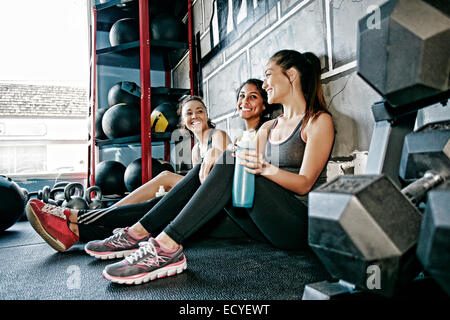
point(288, 155)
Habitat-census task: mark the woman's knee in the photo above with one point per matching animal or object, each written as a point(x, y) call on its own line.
point(164, 175)
point(167, 178)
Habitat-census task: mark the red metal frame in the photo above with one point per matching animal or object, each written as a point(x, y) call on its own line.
point(168, 79)
point(144, 37)
point(168, 84)
point(191, 62)
point(191, 58)
point(93, 94)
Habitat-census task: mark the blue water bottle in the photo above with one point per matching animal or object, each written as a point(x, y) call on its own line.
point(243, 181)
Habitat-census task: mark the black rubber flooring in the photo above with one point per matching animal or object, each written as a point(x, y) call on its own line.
point(218, 269)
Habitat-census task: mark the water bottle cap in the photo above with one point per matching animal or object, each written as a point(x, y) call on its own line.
point(248, 139)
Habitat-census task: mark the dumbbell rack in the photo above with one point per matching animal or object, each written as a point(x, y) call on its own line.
point(113, 56)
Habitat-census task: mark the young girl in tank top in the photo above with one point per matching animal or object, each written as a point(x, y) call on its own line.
point(210, 142)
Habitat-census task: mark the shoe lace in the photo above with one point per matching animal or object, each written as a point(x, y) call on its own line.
point(55, 211)
point(117, 234)
point(145, 248)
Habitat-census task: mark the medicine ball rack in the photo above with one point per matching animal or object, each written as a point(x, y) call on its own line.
point(136, 56)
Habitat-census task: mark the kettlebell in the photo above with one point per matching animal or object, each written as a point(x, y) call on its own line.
point(61, 184)
point(26, 194)
point(74, 201)
point(39, 194)
point(96, 202)
point(46, 196)
point(57, 194)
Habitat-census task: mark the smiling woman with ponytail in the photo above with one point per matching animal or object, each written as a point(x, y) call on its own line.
point(308, 66)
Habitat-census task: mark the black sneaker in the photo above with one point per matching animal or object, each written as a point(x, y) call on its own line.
point(150, 262)
point(119, 245)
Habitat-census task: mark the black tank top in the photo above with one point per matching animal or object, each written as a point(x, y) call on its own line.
point(288, 155)
point(208, 145)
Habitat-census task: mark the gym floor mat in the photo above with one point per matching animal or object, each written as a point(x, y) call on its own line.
point(218, 269)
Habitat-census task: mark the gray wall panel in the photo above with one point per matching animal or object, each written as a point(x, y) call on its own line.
point(223, 85)
point(304, 31)
point(344, 18)
point(349, 100)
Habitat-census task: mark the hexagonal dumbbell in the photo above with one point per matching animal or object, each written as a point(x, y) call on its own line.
point(404, 54)
point(364, 224)
point(433, 246)
point(428, 148)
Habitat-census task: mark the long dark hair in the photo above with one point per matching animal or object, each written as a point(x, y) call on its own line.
point(183, 101)
point(308, 65)
point(265, 115)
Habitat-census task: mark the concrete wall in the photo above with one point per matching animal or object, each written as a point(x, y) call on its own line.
point(326, 27)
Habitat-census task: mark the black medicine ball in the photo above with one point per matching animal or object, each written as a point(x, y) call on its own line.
point(167, 166)
point(167, 27)
point(99, 134)
point(123, 31)
point(109, 177)
point(12, 202)
point(164, 118)
point(122, 120)
point(124, 92)
point(133, 173)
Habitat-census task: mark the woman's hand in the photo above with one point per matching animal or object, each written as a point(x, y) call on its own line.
point(254, 162)
point(208, 162)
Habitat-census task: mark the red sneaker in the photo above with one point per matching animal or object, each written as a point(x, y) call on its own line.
point(50, 222)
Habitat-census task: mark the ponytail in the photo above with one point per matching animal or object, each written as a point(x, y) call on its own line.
point(308, 65)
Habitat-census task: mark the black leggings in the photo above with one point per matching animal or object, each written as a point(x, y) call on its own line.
point(277, 216)
point(100, 223)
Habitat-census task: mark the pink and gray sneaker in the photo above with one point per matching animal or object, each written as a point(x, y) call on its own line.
point(121, 244)
point(150, 262)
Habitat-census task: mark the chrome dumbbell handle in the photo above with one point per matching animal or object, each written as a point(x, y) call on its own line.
point(417, 190)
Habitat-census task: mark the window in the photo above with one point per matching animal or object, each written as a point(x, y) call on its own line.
point(23, 159)
point(44, 93)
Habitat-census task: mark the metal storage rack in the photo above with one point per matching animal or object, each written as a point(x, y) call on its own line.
point(135, 55)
